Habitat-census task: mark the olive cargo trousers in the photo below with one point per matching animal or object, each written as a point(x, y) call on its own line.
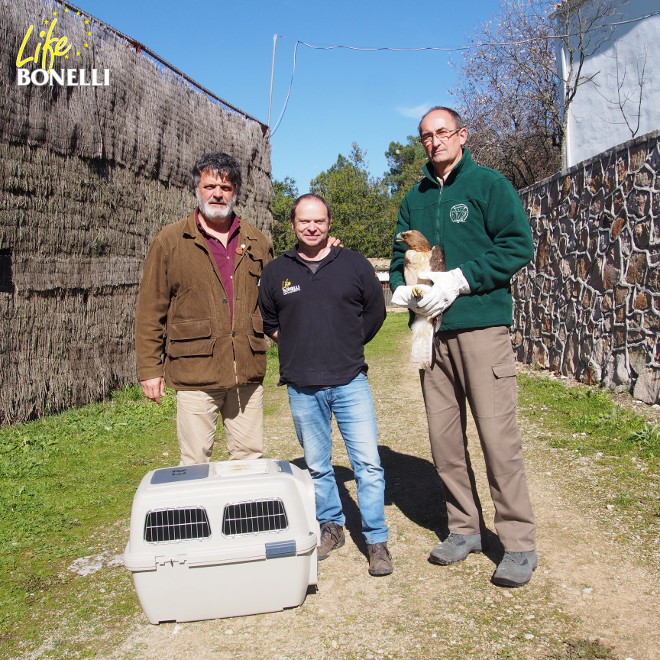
point(478, 366)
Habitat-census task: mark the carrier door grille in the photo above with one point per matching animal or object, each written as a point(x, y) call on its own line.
point(176, 525)
point(252, 517)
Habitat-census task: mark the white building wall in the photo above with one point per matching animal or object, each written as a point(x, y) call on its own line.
point(606, 110)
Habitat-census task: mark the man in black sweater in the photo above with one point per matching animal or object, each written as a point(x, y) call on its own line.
point(322, 304)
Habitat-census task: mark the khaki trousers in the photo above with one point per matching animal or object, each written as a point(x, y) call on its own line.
point(478, 366)
point(242, 415)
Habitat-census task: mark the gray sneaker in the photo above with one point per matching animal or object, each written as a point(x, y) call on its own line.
point(515, 569)
point(456, 547)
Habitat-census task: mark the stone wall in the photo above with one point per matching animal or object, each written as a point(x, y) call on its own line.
point(589, 304)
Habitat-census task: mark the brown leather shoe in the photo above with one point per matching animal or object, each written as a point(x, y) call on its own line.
point(332, 537)
point(380, 559)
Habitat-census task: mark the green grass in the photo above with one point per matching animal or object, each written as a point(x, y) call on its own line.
point(586, 419)
point(66, 479)
point(621, 447)
point(391, 334)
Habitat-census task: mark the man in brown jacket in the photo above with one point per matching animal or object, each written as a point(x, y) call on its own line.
point(198, 325)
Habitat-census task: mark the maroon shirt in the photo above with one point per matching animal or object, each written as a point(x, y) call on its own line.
point(224, 257)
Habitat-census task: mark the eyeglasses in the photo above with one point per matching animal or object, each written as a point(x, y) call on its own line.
point(442, 135)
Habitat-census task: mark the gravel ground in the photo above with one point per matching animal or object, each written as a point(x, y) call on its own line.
point(593, 581)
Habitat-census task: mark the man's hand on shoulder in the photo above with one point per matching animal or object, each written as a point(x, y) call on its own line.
point(334, 242)
point(154, 388)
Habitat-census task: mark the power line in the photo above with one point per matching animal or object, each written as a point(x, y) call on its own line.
point(486, 44)
point(445, 49)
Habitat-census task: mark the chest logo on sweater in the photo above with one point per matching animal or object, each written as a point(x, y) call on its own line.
point(288, 288)
point(458, 213)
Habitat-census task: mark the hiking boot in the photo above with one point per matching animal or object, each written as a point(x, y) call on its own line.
point(380, 559)
point(456, 547)
point(332, 536)
point(515, 569)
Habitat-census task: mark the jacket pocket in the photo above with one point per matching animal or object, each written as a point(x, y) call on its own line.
point(185, 330)
point(191, 348)
point(259, 344)
point(190, 339)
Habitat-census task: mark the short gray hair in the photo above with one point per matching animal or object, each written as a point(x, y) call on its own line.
point(218, 163)
point(454, 115)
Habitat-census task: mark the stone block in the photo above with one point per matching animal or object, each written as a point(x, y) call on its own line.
point(636, 269)
point(621, 374)
point(637, 357)
point(644, 178)
point(647, 386)
point(638, 156)
point(618, 226)
point(541, 356)
point(610, 276)
point(622, 166)
point(639, 203)
point(618, 202)
point(652, 319)
point(642, 234)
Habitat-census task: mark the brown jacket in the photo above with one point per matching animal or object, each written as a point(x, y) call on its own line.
point(183, 327)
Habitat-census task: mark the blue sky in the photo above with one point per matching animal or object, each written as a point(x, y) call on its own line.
point(338, 96)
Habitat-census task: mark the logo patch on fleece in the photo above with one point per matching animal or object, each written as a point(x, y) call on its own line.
point(458, 213)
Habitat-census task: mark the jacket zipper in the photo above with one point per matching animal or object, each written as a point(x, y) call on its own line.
point(438, 225)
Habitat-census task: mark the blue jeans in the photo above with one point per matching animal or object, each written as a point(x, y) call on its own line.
point(353, 407)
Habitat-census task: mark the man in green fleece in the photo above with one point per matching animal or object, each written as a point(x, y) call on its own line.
point(474, 214)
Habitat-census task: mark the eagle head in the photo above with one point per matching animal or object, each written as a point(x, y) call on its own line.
point(413, 240)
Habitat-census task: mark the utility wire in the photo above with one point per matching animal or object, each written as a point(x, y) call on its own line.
point(288, 94)
point(456, 49)
point(477, 44)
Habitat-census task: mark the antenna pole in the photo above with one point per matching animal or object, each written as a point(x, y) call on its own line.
point(272, 73)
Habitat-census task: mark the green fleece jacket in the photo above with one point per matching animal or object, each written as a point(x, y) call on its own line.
point(477, 218)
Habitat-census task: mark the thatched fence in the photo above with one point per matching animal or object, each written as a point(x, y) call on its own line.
point(88, 175)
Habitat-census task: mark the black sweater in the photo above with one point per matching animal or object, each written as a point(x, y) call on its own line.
point(323, 319)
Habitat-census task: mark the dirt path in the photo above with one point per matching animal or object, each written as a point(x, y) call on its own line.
point(591, 581)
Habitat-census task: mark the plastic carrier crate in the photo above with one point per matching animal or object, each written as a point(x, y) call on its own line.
point(223, 539)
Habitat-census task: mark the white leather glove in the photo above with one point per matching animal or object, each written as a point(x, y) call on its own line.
point(446, 288)
point(403, 296)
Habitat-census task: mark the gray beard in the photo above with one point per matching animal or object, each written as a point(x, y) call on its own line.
point(214, 213)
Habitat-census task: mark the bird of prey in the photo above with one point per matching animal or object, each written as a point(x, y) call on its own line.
point(420, 258)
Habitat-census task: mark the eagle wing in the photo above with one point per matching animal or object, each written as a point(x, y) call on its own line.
point(437, 264)
point(437, 259)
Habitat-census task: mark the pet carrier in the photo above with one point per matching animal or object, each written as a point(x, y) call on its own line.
point(222, 539)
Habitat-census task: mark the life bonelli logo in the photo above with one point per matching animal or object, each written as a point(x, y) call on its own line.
point(41, 48)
